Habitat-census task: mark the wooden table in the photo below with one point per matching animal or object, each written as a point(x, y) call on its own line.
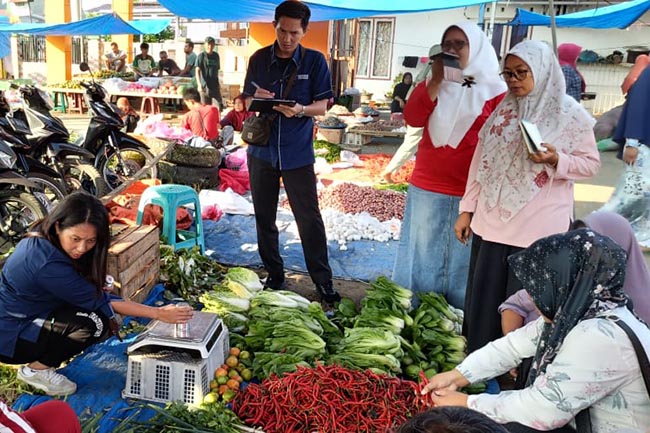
point(149, 105)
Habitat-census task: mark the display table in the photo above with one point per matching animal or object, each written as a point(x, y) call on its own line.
point(150, 101)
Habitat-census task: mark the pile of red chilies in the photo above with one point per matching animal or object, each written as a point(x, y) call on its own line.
point(329, 399)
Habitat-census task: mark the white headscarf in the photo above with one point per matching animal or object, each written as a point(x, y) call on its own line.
point(459, 105)
point(507, 177)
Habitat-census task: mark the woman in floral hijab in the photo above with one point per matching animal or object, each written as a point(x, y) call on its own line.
point(582, 359)
point(514, 197)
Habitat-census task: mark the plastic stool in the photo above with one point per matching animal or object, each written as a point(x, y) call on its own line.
point(170, 197)
point(60, 101)
point(148, 106)
point(77, 103)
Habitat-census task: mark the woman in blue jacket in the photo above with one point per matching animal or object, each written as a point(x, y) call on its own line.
point(52, 302)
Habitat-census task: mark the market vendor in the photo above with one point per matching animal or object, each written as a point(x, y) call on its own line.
point(237, 115)
point(583, 358)
point(52, 299)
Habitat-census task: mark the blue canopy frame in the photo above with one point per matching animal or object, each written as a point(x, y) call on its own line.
point(108, 24)
point(321, 10)
point(618, 16)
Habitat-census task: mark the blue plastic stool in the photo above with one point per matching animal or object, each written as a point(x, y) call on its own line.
point(170, 197)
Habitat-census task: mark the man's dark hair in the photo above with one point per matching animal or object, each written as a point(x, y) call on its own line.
point(451, 420)
point(189, 43)
point(113, 44)
point(191, 94)
point(163, 52)
point(144, 46)
point(294, 9)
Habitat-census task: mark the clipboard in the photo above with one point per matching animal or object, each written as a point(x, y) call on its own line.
point(263, 105)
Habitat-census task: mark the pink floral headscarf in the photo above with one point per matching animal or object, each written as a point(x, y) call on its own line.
point(508, 178)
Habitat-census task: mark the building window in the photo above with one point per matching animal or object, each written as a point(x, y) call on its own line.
point(375, 47)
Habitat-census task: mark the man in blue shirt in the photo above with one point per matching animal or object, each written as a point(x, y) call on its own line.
point(289, 153)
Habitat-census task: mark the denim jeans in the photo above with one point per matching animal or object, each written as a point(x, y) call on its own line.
point(429, 257)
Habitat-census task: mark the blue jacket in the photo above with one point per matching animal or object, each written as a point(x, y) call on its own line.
point(291, 142)
point(37, 279)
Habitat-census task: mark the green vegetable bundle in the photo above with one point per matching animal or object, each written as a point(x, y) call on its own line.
point(437, 344)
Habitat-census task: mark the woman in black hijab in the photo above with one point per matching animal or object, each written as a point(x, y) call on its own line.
point(400, 92)
point(583, 359)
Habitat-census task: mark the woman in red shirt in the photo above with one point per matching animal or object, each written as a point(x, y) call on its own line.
point(452, 113)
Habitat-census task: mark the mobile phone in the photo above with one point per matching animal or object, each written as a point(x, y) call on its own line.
point(451, 64)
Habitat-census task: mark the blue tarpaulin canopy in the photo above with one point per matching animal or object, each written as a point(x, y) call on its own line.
point(109, 24)
point(617, 16)
point(321, 10)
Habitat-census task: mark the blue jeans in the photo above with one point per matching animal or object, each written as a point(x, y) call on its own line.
point(429, 257)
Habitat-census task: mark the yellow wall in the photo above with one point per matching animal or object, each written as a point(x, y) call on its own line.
point(58, 49)
point(316, 38)
point(124, 8)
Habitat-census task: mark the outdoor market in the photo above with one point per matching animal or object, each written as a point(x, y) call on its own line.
point(320, 216)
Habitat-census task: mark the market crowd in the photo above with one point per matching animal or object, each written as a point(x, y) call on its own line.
point(560, 304)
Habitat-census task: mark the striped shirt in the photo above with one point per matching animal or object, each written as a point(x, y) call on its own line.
point(12, 422)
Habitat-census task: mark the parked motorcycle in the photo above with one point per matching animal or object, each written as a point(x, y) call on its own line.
point(118, 156)
point(48, 138)
point(19, 208)
point(13, 132)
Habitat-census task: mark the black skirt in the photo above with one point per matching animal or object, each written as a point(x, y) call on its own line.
point(490, 282)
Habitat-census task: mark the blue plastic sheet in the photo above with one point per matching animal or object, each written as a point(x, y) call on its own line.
point(108, 24)
point(233, 241)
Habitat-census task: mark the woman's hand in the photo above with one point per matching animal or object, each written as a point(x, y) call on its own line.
point(461, 228)
point(450, 381)
point(437, 74)
point(630, 154)
point(447, 397)
point(174, 314)
point(550, 156)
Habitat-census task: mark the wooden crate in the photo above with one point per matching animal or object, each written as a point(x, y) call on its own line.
point(331, 135)
point(134, 260)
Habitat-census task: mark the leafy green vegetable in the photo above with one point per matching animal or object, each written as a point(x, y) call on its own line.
point(188, 272)
point(246, 278)
point(333, 151)
point(274, 299)
point(223, 303)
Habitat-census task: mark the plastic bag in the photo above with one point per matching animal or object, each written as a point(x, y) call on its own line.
point(228, 201)
point(631, 198)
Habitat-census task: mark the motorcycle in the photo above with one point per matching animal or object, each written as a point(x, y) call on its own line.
point(19, 208)
point(13, 132)
point(48, 138)
point(118, 156)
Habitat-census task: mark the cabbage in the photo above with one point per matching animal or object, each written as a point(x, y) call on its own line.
point(246, 278)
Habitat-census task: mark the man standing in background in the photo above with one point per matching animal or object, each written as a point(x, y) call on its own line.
point(190, 59)
point(289, 153)
point(207, 74)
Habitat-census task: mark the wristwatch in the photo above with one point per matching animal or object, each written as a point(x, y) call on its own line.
point(302, 112)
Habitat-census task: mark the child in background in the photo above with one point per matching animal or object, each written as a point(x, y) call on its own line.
point(129, 115)
point(517, 311)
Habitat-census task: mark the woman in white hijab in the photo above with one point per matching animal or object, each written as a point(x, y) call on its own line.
point(451, 113)
point(514, 197)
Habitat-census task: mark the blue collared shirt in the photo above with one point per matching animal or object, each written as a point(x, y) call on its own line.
point(37, 279)
point(291, 142)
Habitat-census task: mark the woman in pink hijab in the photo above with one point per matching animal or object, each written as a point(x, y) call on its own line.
point(637, 275)
point(568, 56)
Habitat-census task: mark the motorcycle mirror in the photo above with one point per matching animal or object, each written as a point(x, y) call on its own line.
point(84, 66)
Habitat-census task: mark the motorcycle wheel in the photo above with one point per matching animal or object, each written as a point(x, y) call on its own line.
point(50, 190)
point(133, 158)
point(85, 177)
point(18, 211)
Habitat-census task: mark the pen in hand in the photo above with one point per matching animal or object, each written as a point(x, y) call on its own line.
point(257, 86)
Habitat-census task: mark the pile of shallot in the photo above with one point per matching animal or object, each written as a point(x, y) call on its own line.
point(352, 199)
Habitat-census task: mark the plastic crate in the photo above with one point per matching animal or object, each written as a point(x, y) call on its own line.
point(164, 368)
point(356, 139)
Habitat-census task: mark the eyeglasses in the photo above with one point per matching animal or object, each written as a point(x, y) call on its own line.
point(517, 75)
point(456, 44)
